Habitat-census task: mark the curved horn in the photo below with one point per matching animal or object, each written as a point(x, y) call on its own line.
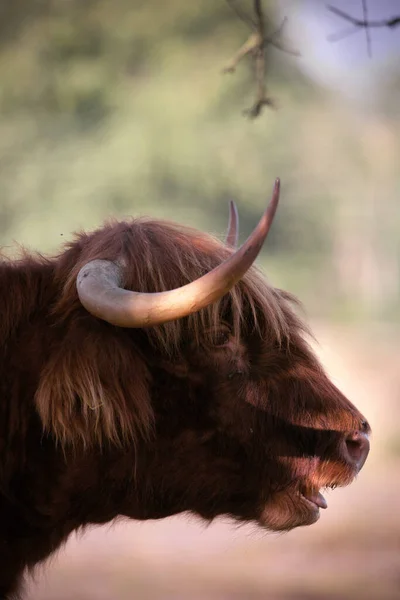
point(232, 235)
point(99, 285)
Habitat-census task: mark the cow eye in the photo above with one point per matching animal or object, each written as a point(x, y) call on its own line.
point(222, 338)
point(217, 337)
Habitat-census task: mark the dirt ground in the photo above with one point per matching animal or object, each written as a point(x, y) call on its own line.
point(353, 552)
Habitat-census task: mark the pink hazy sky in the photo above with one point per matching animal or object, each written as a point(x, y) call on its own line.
point(344, 66)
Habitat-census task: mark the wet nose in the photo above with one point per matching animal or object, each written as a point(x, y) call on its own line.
point(356, 448)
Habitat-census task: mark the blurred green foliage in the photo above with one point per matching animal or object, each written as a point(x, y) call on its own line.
point(118, 107)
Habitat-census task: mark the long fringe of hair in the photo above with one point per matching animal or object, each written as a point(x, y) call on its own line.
point(159, 256)
point(94, 386)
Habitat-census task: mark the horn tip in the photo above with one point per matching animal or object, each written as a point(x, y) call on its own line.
point(276, 191)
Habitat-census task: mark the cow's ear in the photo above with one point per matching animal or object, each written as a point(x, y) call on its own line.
point(95, 388)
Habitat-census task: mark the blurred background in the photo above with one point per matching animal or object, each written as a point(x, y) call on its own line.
point(119, 107)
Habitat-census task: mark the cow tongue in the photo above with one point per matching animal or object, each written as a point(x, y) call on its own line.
point(316, 497)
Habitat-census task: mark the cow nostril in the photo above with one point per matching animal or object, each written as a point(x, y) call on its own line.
point(357, 448)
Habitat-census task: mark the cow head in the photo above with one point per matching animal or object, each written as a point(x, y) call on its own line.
point(238, 415)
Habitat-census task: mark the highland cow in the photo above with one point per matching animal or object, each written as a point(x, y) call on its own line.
point(148, 370)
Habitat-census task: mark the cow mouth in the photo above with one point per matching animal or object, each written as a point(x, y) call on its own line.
point(313, 496)
point(295, 507)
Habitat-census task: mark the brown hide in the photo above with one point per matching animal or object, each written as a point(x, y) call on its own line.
point(226, 411)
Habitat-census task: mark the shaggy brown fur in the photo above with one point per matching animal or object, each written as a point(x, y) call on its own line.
point(223, 412)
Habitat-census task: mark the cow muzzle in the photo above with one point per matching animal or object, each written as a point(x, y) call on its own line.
point(355, 449)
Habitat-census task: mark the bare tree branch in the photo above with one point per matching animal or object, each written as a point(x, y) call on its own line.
point(262, 99)
point(367, 34)
point(258, 40)
point(359, 24)
point(340, 35)
point(247, 48)
point(242, 15)
point(273, 40)
point(364, 23)
point(254, 47)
